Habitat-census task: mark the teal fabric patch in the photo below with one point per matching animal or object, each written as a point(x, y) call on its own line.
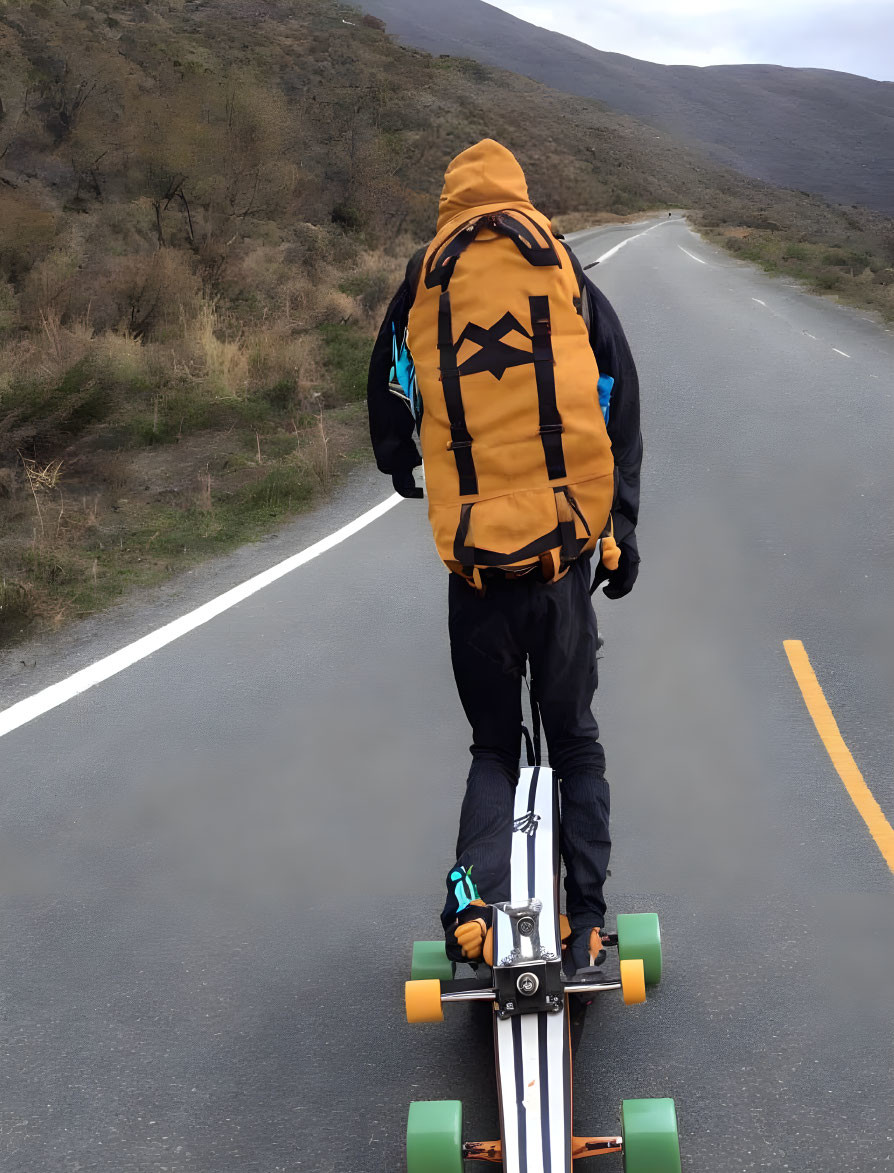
point(465, 890)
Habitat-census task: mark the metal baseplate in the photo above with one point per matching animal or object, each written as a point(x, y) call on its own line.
point(528, 979)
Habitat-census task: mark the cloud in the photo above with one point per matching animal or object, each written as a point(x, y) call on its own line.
point(850, 35)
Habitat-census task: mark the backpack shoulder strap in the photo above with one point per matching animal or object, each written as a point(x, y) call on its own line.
point(534, 244)
point(414, 271)
point(585, 310)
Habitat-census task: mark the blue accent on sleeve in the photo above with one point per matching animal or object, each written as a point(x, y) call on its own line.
point(465, 890)
point(403, 374)
point(604, 387)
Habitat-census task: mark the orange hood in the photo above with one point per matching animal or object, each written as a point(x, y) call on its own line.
point(484, 178)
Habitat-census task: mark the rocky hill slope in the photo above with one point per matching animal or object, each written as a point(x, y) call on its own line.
point(813, 129)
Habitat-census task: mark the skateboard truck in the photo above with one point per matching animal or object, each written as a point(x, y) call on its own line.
point(528, 979)
point(457, 991)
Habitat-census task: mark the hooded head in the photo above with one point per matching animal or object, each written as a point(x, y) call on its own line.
point(484, 176)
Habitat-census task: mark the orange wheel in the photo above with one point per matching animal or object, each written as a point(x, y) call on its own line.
point(633, 981)
point(423, 999)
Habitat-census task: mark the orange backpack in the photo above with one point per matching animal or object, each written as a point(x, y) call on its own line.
point(518, 463)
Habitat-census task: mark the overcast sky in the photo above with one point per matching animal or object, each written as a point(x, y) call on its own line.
point(856, 36)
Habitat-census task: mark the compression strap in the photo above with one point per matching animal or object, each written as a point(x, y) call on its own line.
point(460, 439)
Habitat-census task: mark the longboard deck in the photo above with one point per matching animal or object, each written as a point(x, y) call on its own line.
point(533, 1050)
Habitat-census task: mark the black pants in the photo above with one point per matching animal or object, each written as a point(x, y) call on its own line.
point(491, 637)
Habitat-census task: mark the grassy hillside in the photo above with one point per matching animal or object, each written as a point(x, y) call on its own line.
point(204, 207)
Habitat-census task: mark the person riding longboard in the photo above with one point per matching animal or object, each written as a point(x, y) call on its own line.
point(514, 370)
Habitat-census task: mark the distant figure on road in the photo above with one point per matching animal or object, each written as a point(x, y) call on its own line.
point(514, 370)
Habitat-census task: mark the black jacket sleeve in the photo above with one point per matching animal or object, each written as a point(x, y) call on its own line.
point(391, 423)
point(613, 358)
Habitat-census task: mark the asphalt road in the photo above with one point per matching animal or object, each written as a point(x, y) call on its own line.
point(214, 863)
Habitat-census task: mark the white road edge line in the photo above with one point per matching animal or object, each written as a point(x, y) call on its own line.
point(689, 254)
point(759, 302)
point(611, 252)
point(841, 352)
point(809, 335)
point(57, 694)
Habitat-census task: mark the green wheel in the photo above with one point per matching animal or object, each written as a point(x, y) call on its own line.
point(649, 1134)
point(639, 935)
point(430, 960)
point(435, 1137)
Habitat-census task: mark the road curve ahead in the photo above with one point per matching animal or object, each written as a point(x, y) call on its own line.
point(214, 862)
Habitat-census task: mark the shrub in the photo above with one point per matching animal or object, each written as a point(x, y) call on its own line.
point(311, 248)
point(796, 252)
point(180, 411)
point(349, 217)
point(282, 489)
point(48, 288)
point(371, 289)
point(829, 279)
point(147, 294)
point(346, 356)
point(223, 361)
point(9, 309)
point(41, 416)
point(16, 609)
point(283, 365)
point(122, 364)
point(49, 567)
point(28, 232)
point(282, 395)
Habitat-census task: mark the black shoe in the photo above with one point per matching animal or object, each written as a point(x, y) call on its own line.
point(577, 955)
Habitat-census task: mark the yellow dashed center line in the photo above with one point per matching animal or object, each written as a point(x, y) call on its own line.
point(848, 771)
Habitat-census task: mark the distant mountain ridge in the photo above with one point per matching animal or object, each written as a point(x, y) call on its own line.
point(809, 129)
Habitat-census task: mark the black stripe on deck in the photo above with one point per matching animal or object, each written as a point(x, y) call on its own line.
point(520, 1094)
point(555, 827)
point(532, 794)
point(543, 1044)
point(566, 1089)
point(556, 866)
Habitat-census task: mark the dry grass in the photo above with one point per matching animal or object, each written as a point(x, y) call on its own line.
point(843, 270)
point(124, 457)
point(43, 483)
point(318, 454)
point(221, 354)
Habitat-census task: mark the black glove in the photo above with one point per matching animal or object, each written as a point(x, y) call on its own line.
point(405, 484)
point(620, 581)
